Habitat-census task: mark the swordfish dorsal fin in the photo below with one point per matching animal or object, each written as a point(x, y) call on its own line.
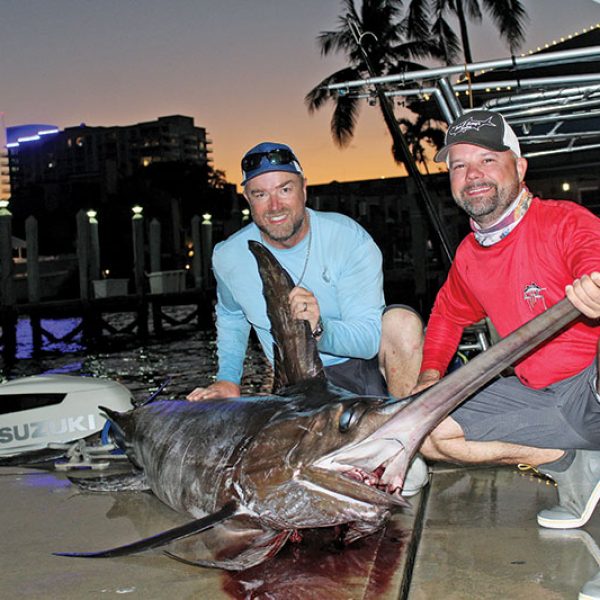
point(296, 355)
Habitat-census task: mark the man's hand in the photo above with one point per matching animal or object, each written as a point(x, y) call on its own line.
point(426, 379)
point(584, 294)
point(304, 305)
point(219, 389)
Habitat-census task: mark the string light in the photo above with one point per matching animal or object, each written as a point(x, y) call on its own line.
point(563, 38)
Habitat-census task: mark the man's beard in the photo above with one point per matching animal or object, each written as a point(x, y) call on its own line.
point(498, 202)
point(285, 234)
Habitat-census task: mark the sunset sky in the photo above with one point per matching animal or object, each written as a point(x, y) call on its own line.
point(241, 68)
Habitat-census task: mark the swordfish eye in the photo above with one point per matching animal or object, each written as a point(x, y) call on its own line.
point(352, 416)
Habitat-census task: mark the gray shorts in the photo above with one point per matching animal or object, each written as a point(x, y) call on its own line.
point(563, 415)
point(358, 376)
point(362, 376)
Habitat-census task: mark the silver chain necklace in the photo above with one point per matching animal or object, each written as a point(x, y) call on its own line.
point(307, 257)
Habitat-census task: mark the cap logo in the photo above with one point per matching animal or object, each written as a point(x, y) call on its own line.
point(471, 124)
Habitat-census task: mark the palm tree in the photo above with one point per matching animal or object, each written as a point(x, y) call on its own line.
point(420, 134)
point(375, 43)
point(509, 17)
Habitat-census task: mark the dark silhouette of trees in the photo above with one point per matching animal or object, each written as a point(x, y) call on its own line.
point(430, 17)
point(376, 42)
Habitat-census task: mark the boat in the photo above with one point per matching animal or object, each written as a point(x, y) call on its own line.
point(43, 410)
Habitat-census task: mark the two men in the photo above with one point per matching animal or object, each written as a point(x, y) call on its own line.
point(337, 269)
point(522, 256)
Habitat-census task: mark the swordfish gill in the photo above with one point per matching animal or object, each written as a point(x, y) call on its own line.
point(252, 471)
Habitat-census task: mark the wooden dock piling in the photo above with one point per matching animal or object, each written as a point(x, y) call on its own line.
point(91, 310)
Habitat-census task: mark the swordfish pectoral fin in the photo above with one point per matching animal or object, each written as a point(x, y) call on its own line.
point(194, 527)
point(240, 543)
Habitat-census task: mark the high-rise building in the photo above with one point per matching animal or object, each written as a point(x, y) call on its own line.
point(100, 156)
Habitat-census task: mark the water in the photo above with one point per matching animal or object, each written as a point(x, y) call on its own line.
point(185, 354)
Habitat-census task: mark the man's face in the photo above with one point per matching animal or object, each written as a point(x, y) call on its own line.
point(277, 201)
point(484, 182)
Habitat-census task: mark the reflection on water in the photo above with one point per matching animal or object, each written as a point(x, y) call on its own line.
point(185, 354)
point(59, 328)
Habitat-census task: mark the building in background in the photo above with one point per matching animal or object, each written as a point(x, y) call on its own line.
point(163, 166)
point(98, 157)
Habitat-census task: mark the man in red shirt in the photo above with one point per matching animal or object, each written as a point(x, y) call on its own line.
point(522, 256)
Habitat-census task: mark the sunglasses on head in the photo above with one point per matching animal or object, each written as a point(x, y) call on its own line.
point(275, 157)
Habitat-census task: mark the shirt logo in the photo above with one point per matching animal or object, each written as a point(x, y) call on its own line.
point(470, 124)
point(532, 294)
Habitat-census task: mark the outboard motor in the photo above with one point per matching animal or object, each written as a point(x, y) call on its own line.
point(38, 411)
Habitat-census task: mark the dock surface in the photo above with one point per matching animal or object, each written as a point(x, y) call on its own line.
point(472, 534)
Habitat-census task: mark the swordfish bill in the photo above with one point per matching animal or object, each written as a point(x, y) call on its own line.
point(439, 400)
point(422, 412)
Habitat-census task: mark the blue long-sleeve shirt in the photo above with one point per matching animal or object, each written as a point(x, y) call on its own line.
point(343, 271)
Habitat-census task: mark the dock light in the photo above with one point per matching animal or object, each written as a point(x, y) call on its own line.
point(106, 273)
point(207, 217)
point(91, 214)
point(245, 214)
point(4, 208)
point(137, 211)
point(566, 186)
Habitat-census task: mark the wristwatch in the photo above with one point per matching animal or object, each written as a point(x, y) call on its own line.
point(319, 329)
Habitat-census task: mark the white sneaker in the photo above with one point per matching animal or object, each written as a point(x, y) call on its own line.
point(417, 477)
point(578, 492)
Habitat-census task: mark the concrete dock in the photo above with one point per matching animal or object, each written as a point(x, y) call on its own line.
point(471, 534)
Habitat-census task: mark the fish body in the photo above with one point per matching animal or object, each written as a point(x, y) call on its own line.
point(259, 451)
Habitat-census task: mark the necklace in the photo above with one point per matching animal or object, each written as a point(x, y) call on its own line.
point(506, 223)
point(307, 256)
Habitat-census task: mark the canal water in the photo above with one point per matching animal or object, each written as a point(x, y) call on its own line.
point(184, 355)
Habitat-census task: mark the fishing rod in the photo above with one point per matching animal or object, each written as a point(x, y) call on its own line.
point(400, 142)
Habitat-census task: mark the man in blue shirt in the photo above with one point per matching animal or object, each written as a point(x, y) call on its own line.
point(337, 268)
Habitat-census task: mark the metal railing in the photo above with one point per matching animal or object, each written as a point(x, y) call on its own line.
point(537, 107)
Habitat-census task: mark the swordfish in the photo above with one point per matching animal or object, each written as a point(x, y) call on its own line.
point(253, 471)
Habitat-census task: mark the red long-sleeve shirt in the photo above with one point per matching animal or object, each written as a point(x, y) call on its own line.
point(515, 280)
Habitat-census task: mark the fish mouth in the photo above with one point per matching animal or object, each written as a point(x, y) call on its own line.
point(377, 463)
